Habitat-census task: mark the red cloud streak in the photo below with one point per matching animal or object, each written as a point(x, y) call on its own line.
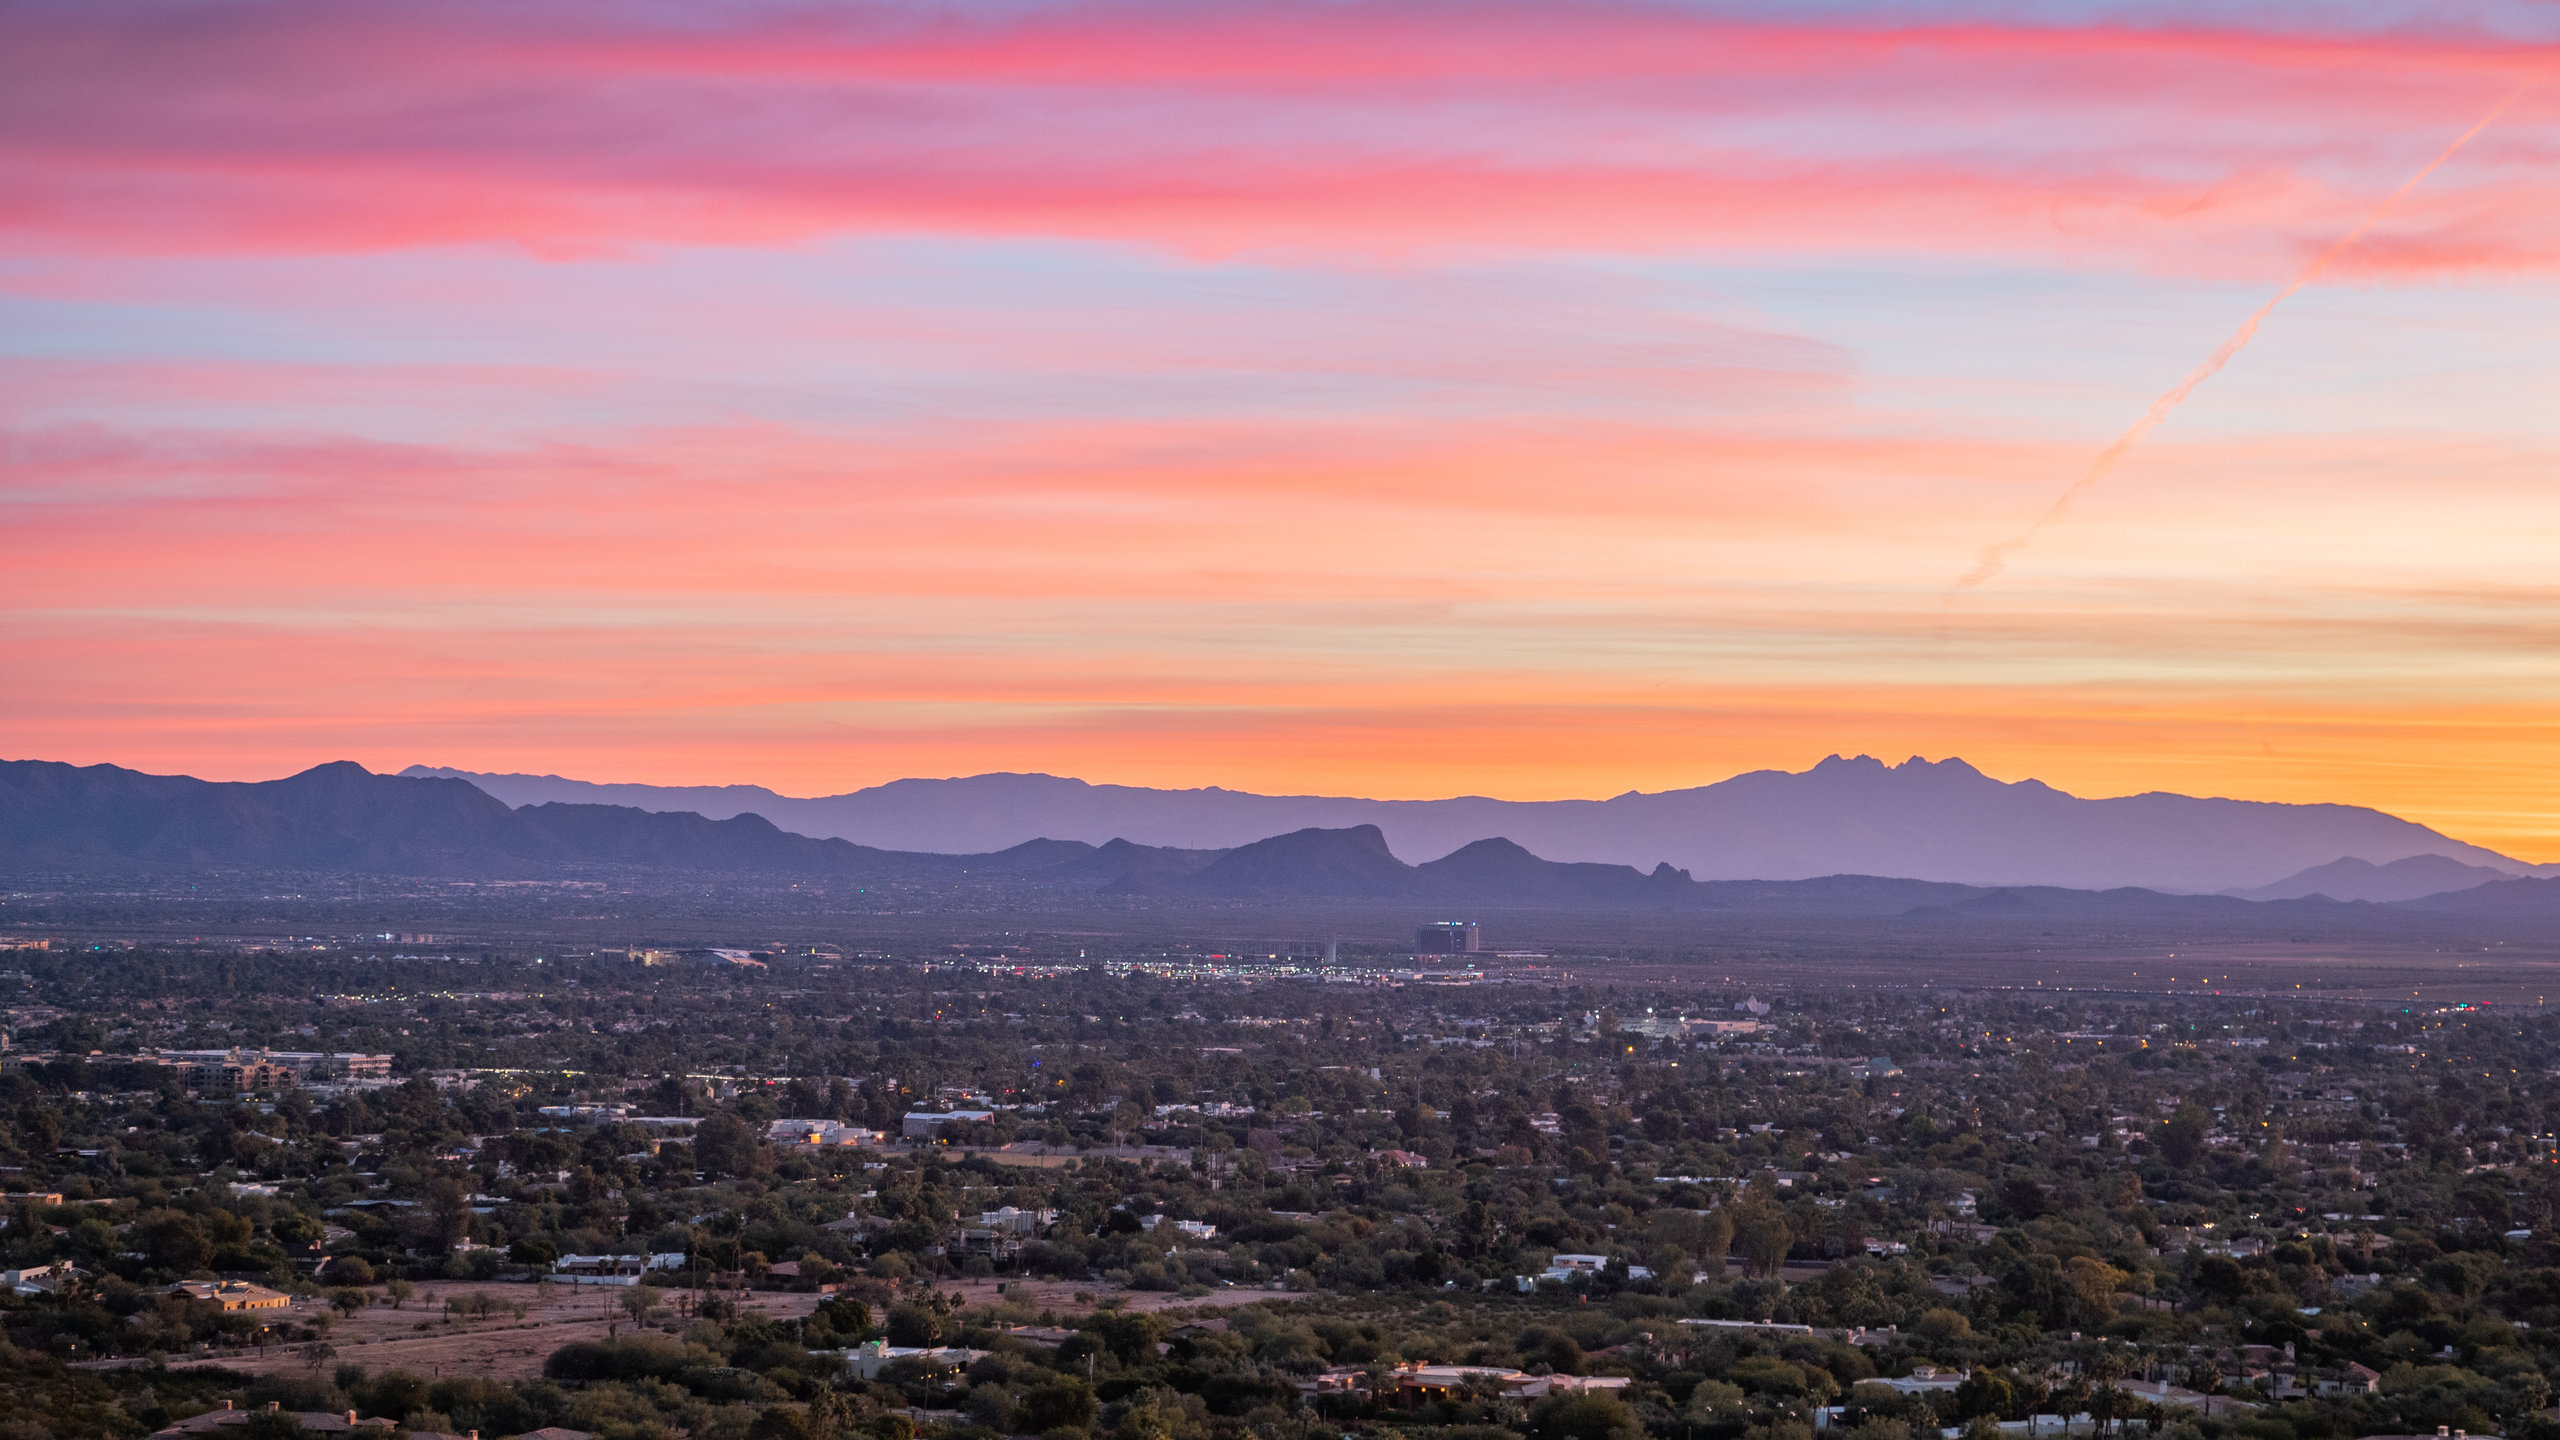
point(298, 127)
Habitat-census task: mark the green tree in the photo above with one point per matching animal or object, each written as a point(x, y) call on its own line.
point(1058, 1404)
point(1715, 1242)
point(723, 1144)
point(173, 1240)
point(1596, 1415)
point(2181, 1136)
point(1764, 1236)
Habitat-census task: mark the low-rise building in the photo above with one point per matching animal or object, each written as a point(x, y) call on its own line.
point(1413, 1383)
point(1015, 1221)
point(869, 1360)
point(50, 1279)
point(819, 1134)
point(233, 1294)
point(612, 1269)
point(242, 1069)
point(315, 1422)
point(928, 1124)
point(1196, 1229)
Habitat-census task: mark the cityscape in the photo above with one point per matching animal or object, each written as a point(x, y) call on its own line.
point(799, 1189)
point(1279, 720)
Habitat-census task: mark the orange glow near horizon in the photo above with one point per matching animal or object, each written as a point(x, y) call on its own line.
point(1386, 399)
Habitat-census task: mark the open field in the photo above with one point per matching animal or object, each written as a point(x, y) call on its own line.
point(417, 1337)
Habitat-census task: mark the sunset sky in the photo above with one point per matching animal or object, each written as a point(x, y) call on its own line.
point(1401, 399)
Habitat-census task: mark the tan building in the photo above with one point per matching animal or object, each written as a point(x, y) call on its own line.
point(270, 1069)
point(233, 1294)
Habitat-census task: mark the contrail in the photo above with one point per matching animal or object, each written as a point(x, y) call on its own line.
point(1995, 558)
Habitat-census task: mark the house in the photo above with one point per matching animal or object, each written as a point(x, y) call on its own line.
point(1196, 1229)
point(613, 1269)
point(1413, 1383)
point(2162, 1393)
point(326, 1422)
point(1014, 1221)
point(870, 1359)
point(820, 1134)
point(2353, 1380)
point(927, 1124)
point(233, 1294)
point(40, 1279)
point(1922, 1379)
point(1576, 1269)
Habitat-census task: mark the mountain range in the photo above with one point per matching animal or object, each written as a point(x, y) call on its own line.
point(1942, 821)
point(341, 817)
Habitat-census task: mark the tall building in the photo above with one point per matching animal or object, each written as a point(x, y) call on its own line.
point(1447, 937)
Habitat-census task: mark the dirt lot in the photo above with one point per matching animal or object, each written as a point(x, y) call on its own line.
point(499, 1348)
point(1060, 1295)
point(505, 1348)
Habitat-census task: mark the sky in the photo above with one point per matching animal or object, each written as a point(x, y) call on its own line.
point(1399, 399)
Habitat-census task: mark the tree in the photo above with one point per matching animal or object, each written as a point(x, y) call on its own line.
point(914, 1325)
point(173, 1240)
point(1765, 1238)
point(2181, 1136)
point(1595, 1415)
point(723, 1144)
point(829, 1416)
point(1719, 1407)
point(270, 1425)
point(846, 1315)
point(639, 1302)
point(1986, 1394)
point(1715, 1242)
point(1061, 1403)
point(1941, 1329)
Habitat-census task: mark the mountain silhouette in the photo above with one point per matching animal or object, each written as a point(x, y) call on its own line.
point(2348, 878)
point(1347, 864)
point(1940, 821)
point(341, 818)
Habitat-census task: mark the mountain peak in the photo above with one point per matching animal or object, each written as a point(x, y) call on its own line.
point(1939, 820)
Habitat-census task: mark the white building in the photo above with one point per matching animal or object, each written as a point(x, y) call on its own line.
point(820, 1134)
point(612, 1269)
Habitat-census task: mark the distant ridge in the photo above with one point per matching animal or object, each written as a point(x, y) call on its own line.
point(1943, 821)
point(2349, 878)
point(339, 817)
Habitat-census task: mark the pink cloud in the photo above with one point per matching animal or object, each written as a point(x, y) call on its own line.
point(1386, 127)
